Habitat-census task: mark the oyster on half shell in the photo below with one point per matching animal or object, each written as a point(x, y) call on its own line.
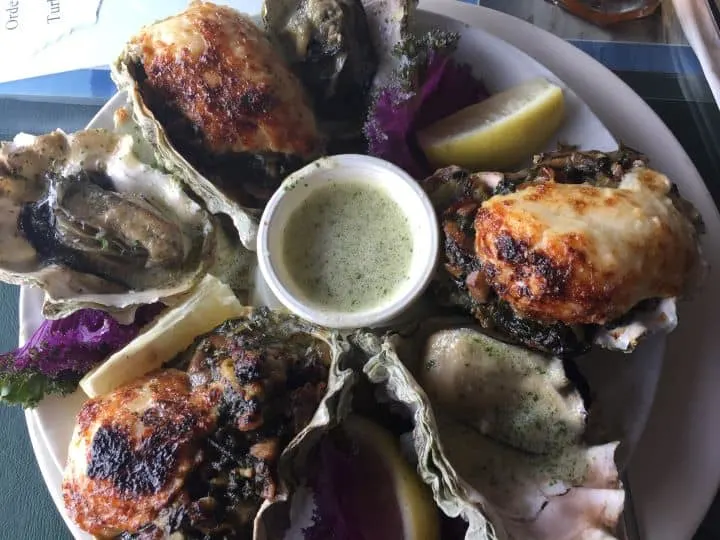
point(220, 107)
point(93, 226)
point(583, 248)
point(192, 451)
point(522, 445)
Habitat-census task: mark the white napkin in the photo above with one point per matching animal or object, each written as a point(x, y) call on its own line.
point(704, 37)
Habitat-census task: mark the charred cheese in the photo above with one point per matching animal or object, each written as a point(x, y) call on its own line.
point(216, 70)
point(132, 450)
point(580, 254)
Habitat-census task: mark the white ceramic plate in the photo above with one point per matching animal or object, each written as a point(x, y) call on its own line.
point(677, 454)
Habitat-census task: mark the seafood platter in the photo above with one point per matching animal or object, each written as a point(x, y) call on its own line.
point(317, 279)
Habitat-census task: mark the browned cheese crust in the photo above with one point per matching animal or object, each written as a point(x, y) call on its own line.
point(217, 68)
point(585, 255)
point(131, 451)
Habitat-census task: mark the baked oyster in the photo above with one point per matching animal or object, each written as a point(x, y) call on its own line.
point(94, 226)
point(220, 107)
point(582, 248)
point(192, 451)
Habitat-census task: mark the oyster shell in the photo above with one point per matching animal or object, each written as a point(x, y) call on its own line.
point(93, 226)
point(220, 107)
point(525, 250)
point(244, 395)
point(386, 389)
point(450, 491)
point(523, 448)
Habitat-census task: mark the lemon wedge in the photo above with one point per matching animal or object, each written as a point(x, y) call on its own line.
point(498, 132)
point(211, 303)
point(418, 512)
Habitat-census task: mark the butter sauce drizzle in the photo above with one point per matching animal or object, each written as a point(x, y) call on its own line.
point(348, 246)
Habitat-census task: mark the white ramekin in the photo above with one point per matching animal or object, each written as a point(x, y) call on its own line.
point(399, 185)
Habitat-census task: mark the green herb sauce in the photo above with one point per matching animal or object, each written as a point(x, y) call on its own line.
point(348, 246)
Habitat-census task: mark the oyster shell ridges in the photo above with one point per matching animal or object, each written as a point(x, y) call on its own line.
point(66, 226)
point(271, 135)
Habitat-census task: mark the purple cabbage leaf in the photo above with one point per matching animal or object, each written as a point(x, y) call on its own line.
point(428, 85)
point(61, 351)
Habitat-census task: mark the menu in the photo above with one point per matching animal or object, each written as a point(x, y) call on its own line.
point(41, 37)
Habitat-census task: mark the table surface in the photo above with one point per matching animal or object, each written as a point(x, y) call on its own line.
point(651, 55)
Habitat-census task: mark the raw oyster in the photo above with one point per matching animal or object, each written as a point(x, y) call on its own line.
point(220, 106)
point(212, 431)
point(522, 442)
point(388, 394)
point(95, 227)
point(556, 256)
point(494, 388)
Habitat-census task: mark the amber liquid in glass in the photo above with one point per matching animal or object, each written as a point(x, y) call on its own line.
point(604, 12)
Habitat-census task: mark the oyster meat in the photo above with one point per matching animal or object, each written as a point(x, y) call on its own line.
point(197, 446)
point(582, 248)
point(220, 106)
point(495, 388)
point(95, 227)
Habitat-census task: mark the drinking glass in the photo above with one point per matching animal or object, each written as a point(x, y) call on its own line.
point(604, 12)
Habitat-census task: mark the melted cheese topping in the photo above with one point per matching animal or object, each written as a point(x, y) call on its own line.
point(131, 451)
point(218, 69)
point(582, 254)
